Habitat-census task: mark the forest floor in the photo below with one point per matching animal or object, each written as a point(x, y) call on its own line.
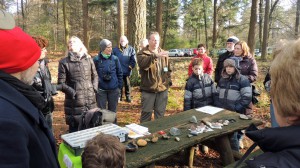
point(130, 112)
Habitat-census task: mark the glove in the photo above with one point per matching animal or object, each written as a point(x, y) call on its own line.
point(67, 90)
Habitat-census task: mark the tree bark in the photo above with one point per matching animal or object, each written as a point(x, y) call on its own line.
point(297, 20)
point(85, 23)
point(120, 18)
point(23, 16)
point(66, 23)
point(215, 25)
point(166, 26)
point(266, 31)
point(159, 9)
point(136, 21)
point(251, 34)
point(205, 24)
point(260, 23)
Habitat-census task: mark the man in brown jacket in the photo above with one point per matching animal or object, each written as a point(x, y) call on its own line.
point(155, 78)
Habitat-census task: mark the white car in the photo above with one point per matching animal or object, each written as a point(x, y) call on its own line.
point(175, 53)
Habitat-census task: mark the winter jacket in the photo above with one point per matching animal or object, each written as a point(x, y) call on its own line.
point(109, 68)
point(26, 141)
point(219, 66)
point(248, 68)
point(207, 64)
point(234, 92)
point(126, 57)
point(79, 74)
point(281, 147)
point(198, 92)
point(42, 83)
point(155, 72)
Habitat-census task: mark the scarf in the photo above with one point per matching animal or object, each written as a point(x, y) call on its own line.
point(27, 90)
point(105, 55)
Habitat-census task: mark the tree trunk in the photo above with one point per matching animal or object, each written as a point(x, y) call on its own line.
point(251, 34)
point(120, 18)
point(260, 23)
point(163, 42)
point(136, 21)
point(297, 20)
point(66, 24)
point(159, 9)
point(23, 16)
point(265, 33)
point(85, 22)
point(205, 24)
point(215, 25)
point(150, 21)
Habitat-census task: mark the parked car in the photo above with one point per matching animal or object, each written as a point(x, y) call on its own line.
point(175, 53)
point(257, 52)
point(187, 52)
point(221, 51)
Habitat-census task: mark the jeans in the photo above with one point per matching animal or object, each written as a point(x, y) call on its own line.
point(108, 99)
point(273, 119)
point(234, 142)
point(153, 101)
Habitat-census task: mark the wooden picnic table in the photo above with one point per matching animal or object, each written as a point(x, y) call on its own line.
point(163, 148)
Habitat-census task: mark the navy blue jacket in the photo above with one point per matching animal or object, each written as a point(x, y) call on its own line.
point(281, 147)
point(234, 93)
point(109, 67)
point(126, 57)
point(26, 141)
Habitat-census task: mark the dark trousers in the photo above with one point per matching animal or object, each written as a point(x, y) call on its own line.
point(126, 85)
point(108, 99)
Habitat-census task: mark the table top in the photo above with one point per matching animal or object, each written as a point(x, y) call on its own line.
point(163, 148)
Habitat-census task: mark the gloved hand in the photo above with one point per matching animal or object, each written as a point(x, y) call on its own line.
point(67, 90)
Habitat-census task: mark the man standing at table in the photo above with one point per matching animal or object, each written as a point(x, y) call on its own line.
point(126, 55)
point(155, 78)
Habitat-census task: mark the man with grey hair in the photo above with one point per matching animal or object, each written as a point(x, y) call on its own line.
point(231, 41)
point(26, 140)
point(155, 78)
point(126, 55)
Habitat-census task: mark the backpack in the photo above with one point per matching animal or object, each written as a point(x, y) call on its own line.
point(95, 117)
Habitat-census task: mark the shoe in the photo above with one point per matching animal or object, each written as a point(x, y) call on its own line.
point(204, 149)
point(128, 99)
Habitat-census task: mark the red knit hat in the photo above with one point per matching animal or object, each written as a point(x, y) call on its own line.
point(18, 51)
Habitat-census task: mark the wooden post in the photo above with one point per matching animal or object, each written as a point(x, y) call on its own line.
point(225, 150)
point(191, 158)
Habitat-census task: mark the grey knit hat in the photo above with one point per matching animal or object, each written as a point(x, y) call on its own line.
point(229, 62)
point(103, 44)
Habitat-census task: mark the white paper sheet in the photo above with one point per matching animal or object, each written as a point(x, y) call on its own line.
point(209, 110)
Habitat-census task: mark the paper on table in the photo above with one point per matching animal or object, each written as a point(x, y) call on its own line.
point(137, 130)
point(209, 110)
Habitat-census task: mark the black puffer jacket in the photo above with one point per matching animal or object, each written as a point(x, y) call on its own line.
point(79, 74)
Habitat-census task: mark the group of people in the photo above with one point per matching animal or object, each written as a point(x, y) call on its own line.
point(235, 71)
point(26, 90)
